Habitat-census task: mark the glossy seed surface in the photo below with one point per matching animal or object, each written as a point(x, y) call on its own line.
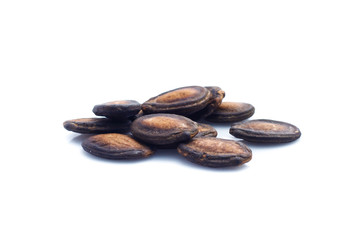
point(182, 101)
point(217, 94)
point(215, 152)
point(265, 131)
point(163, 129)
point(231, 112)
point(116, 146)
point(96, 125)
point(205, 130)
point(122, 109)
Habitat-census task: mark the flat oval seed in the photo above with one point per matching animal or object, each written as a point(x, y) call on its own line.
point(205, 130)
point(122, 109)
point(215, 152)
point(96, 125)
point(231, 112)
point(217, 94)
point(115, 146)
point(265, 131)
point(163, 129)
point(183, 101)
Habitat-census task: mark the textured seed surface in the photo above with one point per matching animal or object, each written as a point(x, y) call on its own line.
point(205, 130)
point(231, 112)
point(183, 101)
point(217, 94)
point(115, 146)
point(96, 125)
point(215, 152)
point(163, 129)
point(265, 131)
point(121, 109)
point(178, 95)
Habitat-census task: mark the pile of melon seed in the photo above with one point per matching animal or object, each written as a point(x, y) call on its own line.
point(174, 119)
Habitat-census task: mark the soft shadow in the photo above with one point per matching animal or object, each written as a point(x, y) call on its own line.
point(256, 145)
point(80, 138)
point(114, 161)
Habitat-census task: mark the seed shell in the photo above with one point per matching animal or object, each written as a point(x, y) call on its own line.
point(122, 109)
point(231, 112)
point(116, 146)
point(163, 129)
point(205, 130)
point(183, 101)
point(265, 131)
point(96, 125)
point(215, 152)
point(217, 94)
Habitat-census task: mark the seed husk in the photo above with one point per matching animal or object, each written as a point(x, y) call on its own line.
point(163, 129)
point(205, 130)
point(183, 101)
point(138, 115)
point(118, 110)
point(96, 125)
point(217, 94)
point(116, 146)
point(215, 152)
point(265, 131)
point(231, 112)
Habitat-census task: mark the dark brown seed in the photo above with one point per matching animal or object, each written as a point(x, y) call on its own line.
point(115, 146)
point(118, 110)
point(183, 101)
point(163, 129)
point(138, 115)
point(215, 152)
point(231, 112)
point(205, 130)
point(265, 131)
point(96, 125)
point(217, 94)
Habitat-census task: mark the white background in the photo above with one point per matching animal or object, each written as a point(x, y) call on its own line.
point(60, 58)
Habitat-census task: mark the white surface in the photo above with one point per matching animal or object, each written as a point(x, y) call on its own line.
point(60, 58)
